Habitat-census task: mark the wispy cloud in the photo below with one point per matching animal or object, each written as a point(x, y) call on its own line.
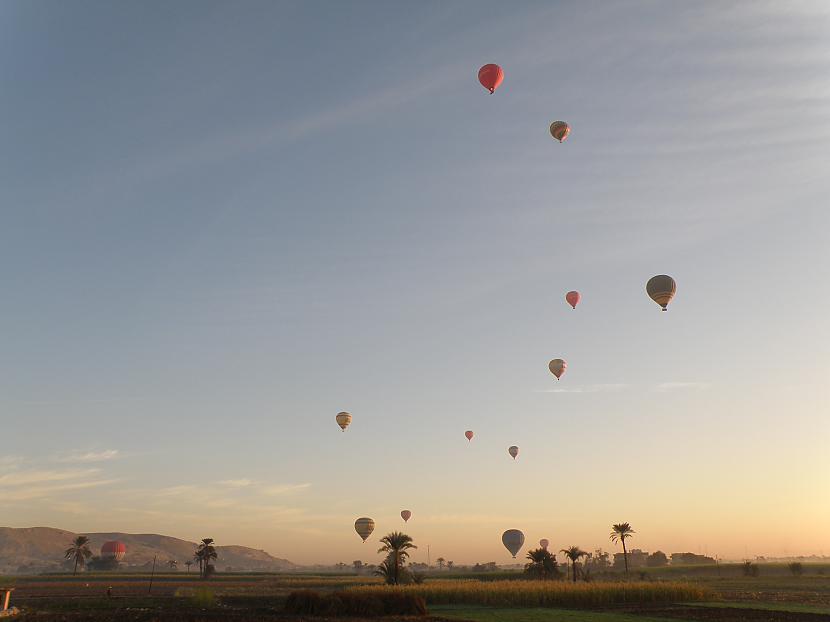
point(38, 492)
point(235, 483)
point(673, 386)
point(589, 388)
point(284, 489)
point(28, 478)
point(90, 456)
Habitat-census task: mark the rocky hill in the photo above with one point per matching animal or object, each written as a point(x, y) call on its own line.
point(38, 549)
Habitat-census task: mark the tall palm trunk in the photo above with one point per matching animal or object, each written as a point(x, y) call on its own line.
point(625, 556)
point(75, 571)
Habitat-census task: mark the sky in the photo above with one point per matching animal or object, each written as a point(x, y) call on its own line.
point(223, 223)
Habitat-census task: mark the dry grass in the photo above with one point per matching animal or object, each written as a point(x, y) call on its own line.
point(546, 594)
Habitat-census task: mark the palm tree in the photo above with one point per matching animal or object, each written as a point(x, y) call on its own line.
point(440, 561)
point(174, 565)
point(542, 563)
point(79, 551)
point(449, 564)
point(619, 533)
point(573, 553)
point(188, 563)
point(397, 545)
point(205, 553)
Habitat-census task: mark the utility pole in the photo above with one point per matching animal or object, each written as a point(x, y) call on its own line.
point(429, 561)
point(152, 574)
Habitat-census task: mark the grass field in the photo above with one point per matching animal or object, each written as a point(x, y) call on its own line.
point(548, 593)
point(536, 614)
point(254, 597)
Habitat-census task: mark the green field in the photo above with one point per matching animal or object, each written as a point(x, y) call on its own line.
point(177, 597)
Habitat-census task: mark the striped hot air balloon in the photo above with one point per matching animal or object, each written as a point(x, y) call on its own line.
point(661, 289)
point(469, 435)
point(405, 515)
point(364, 527)
point(343, 420)
point(114, 550)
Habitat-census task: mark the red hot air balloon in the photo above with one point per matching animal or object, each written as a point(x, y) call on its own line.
point(572, 298)
point(469, 435)
point(114, 550)
point(490, 77)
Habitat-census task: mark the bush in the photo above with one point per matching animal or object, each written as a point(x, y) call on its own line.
point(308, 602)
point(750, 570)
point(796, 568)
point(203, 597)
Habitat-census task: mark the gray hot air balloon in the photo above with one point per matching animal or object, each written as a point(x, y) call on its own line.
point(661, 289)
point(513, 539)
point(513, 451)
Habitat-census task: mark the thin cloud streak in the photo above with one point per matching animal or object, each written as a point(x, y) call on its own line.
point(673, 386)
point(92, 456)
point(590, 388)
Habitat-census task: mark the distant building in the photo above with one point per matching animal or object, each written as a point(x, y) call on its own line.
point(690, 559)
point(636, 559)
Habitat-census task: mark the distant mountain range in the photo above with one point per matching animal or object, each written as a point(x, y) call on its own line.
point(41, 549)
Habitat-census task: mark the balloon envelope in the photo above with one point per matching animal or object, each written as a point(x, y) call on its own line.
point(661, 289)
point(544, 542)
point(572, 298)
point(405, 514)
point(343, 420)
point(469, 435)
point(557, 367)
point(513, 539)
point(364, 527)
point(114, 550)
point(490, 77)
point(513, 451)
point(560, 130)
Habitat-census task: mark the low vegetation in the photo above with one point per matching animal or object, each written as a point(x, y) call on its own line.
point(519, 593)
point(381, 603)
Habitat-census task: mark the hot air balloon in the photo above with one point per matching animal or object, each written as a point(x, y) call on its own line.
point(469, 435)
point(513, 539)
point(513, 451)
point(114, 550)
point(364, 527)
point(572, 298)
point(661, 289)
point(557, 367)
point(560, 130)
point(544, 542)
point(490, 77)
point(343, 420)
point(405, 514)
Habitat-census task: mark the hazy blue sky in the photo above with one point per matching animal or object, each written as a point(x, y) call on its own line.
point(223, 222)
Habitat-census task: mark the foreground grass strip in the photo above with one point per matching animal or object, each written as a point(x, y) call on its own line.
point(488, 614)
point(547, 594)
point(792, 607)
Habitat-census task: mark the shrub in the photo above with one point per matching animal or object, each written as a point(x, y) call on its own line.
point(750, 570)
point(796, 568)
point(203, 597)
